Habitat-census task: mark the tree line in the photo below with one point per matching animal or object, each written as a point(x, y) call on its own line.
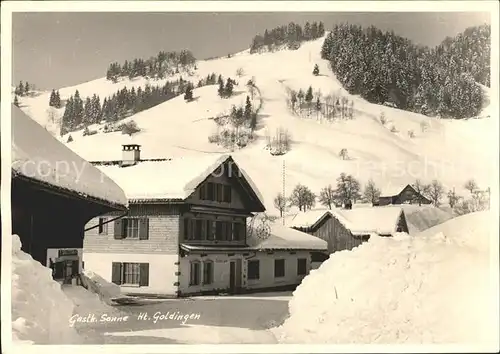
point(290, 35)
point(348, 190)
point(123, 103)
point(385, 68)
point(162, 65)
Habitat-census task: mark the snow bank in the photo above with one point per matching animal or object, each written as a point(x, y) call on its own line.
point(429, 289)
point(40, 310)
point(100, 286)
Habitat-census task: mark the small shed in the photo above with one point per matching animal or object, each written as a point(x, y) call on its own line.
point(344, 229)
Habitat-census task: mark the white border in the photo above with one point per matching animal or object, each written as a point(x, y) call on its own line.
point(223, 6)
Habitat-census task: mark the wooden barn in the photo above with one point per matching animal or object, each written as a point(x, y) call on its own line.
point(401, 195)
point(344, 229)
point(54, 194)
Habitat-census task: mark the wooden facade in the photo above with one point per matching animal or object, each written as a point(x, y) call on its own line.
point(337, 236)
point(408, 195)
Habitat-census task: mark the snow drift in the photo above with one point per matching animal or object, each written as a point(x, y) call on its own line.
point(40, 309)
point(429, 289)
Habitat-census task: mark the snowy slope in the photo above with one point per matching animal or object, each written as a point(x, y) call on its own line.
point(451, 151)
point(433, 288)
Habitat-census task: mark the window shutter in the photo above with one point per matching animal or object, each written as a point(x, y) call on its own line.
point(105, 226)
point(144, 229)
point(118, 232)
point(144, 274)
point(116, 273)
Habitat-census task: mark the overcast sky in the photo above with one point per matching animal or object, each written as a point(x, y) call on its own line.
point(54, 50)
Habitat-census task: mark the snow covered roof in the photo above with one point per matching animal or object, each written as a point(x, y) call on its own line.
point(306, 219)
point(282, 237)
point(391, 190)
point(173, 179)
point(363, 221)
point(37, 155)
point(360, 221)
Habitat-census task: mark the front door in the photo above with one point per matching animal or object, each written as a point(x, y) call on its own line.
point(235, 276)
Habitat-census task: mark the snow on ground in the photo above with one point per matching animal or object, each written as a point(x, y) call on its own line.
point(429, 289)
point(450, 150)
point(40, 310)
point(201, 334)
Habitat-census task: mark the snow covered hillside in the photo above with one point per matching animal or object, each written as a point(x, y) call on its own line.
point(434, 288)
point(450, 151)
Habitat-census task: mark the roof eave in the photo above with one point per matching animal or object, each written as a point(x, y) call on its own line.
point(68, 192)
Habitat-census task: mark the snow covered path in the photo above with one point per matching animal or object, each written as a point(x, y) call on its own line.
point(216, 320)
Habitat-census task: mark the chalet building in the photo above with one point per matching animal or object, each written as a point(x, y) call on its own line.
point(405, 195)
point(344, 229)
point(54, 194)
point(188, 231)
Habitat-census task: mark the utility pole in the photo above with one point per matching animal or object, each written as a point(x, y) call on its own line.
point(283, 191)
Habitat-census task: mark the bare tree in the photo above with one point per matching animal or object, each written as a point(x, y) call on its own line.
point(348, 189)
point(327, 196)
point(240, 72)
point(371, 193)
point(302, 197)
point(453, 198)
point(280, 203)
point(471, 186)
point(343, 154)
point(436, 191)
point(422, 191)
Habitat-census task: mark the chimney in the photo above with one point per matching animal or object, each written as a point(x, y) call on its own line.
point(131, 154)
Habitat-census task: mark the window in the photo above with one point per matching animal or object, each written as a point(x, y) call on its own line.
point(131, 227)
point(208, 272)
point(103, 226)
point(210, 191)
point(130, 273)
point(238, 231)
point(203, 192)
point(279, 268)
point(194, 274)
point(210, 230)
point(253, 269)
point(301, 266)
point(227, 194)
point(218, 192)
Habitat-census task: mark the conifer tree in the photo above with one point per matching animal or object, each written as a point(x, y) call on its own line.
point(188, 96)
point(52, 98)
point(228, 90)
point(57, 100)
point(248, 110)
point(316, 70)
point(16, 101)
point(309, 95)
point(26, 88)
